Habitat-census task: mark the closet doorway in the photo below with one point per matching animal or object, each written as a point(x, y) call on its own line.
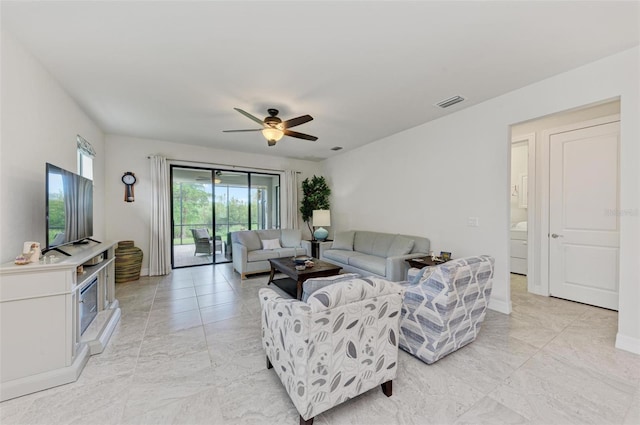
point(208, 204)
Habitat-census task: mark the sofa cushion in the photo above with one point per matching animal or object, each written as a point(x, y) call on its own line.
point(261, 254)
point(311, 285)
point(371, 263)
point(291, 238)
point(373, 243)
point(201, 234)
point(268, 233)
point(289, 252)
point(339, 255)
point(249, 239)
point(271, 244)
point(343, 240)
point(401, 245)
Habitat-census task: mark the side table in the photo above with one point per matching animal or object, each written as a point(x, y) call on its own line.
point(315, 247)
point(421, 262)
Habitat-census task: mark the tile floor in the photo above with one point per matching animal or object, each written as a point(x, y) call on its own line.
point(187, 351)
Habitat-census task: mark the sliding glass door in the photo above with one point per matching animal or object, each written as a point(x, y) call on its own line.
point(208, 204)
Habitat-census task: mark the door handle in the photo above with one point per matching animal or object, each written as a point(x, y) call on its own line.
point(555, 236)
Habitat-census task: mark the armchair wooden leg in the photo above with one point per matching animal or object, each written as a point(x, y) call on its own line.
point(386, 388)
point(307, 422)
point(269, 365)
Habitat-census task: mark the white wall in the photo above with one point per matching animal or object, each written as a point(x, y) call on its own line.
point(131, 221)
point(428, 180)
point(39, 124)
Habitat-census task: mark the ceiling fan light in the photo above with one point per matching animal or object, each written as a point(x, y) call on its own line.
point(272, 134)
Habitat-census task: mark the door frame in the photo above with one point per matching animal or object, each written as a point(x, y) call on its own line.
point(530, 139)
point(543, 183)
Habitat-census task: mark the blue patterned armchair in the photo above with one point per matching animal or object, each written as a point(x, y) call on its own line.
point(444, 306)
point(341, 343)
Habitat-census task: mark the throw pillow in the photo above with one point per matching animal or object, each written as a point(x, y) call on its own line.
point(271, 244)
point(311, 285)
point(343, 240)
point(401, 245)
point(201, 234)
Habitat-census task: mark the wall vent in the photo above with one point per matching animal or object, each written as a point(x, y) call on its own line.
point(336, 148)
point(450, 102)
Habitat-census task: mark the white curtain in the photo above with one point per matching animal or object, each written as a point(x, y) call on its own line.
point(160, 243)
point(289, 208)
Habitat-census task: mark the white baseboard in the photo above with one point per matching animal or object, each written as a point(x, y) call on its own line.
point(628, 343)
point(501, 306)
point(144, 272)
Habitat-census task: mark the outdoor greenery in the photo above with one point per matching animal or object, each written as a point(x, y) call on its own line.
point(56, 216)
point(192, 208)
point(315, 197)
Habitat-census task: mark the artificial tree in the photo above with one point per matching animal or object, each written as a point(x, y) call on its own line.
point(315, 193)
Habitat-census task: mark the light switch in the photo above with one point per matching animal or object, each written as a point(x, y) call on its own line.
point(473, 221)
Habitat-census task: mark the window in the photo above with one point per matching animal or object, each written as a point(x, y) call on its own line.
point(86, 153)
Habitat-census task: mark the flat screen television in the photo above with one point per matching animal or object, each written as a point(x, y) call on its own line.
point(69, 207)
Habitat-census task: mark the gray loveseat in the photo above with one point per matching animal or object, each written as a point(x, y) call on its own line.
point(374, 253)
point(251, 253)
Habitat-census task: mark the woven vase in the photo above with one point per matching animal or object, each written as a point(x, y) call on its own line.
point(128, 262)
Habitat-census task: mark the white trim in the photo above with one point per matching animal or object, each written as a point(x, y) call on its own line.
point(530, 140)
point(544, 184)
point(627, 343)
point(500, 306)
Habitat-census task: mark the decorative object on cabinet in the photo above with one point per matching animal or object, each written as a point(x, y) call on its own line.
point(129, 179)
point(128, 262)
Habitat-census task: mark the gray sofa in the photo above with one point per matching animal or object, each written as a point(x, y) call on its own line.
point(374, 253)
point(250, 255)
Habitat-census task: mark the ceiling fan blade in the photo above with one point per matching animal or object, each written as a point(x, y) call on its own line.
point(238, 131)
point(251, 117)
point(300, 135)
point(297, 121)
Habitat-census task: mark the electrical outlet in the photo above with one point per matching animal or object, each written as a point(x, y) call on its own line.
point(473, 221)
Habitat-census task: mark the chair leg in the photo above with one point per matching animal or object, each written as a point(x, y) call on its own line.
point(269, 365)
point(386, 388)
point(307, 422)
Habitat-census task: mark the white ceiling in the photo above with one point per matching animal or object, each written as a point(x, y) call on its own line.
point(364, 70)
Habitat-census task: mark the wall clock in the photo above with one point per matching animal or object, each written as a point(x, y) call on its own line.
point(129, 179)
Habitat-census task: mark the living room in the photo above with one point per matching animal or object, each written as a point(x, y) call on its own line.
point(425, 179)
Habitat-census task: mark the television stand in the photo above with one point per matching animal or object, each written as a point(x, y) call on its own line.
point(43, 343)
point(85, 241)
point(44, 251)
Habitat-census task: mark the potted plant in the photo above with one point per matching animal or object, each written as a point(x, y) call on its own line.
point(315, 196)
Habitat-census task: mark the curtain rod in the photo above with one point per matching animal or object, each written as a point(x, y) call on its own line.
point(226, 165)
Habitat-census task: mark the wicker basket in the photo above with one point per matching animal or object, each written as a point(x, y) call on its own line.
point(128, 262)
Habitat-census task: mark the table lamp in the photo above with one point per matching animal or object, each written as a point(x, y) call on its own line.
point(321, 218)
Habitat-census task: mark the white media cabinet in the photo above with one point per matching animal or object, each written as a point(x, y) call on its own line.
point(41, 345)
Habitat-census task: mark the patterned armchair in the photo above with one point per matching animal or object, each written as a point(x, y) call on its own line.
point(444, 306)
point(341, 343)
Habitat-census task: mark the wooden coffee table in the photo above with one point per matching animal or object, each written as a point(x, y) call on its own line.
point(292, 285)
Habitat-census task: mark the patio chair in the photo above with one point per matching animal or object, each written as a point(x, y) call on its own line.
point(202, 240)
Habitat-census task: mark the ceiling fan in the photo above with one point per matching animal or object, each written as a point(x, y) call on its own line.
point(216, 179)
point(273, 128)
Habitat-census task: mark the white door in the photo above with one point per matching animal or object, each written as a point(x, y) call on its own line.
point(583, 219)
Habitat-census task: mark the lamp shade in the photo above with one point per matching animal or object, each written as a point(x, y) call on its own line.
point(272, 134)
point(321, 218)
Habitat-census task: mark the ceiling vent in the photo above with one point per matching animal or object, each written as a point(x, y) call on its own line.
point(450, 102)
point(336, 148)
